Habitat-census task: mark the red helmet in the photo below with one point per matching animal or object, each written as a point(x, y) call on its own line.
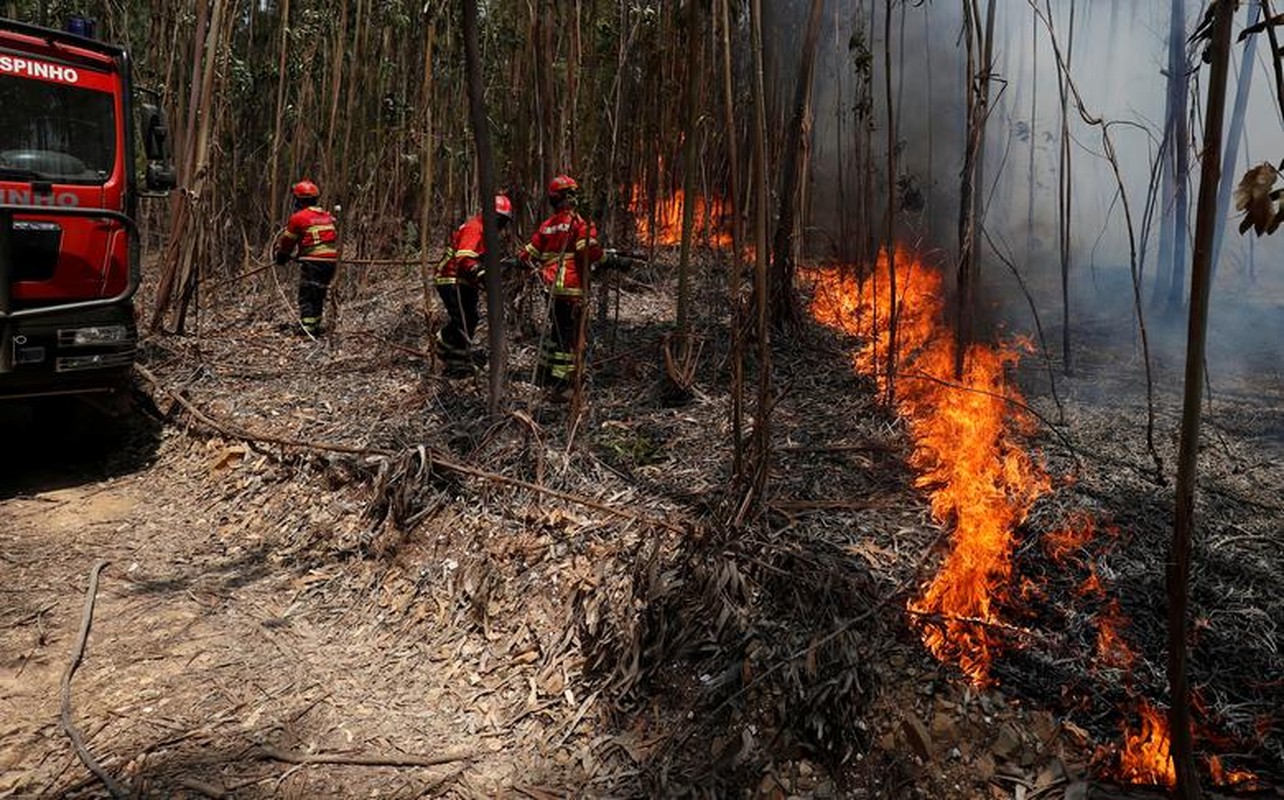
point(504, 207)
point(561, 187)
point(305, 190)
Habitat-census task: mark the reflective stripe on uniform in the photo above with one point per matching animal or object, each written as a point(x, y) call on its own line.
point(559, 363)
point(559, 283)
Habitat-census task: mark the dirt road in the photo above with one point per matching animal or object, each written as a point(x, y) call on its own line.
point(200, 654)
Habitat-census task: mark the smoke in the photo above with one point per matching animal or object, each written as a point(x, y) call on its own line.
point(1117, 56)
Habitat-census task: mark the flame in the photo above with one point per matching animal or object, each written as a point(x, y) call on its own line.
point(661, 223)
point(1145, 758)
point(1092, 586)
point(1112, 649)
point(968, 458)
point(1069, 539)
point(1229, 777)
point(966, 452)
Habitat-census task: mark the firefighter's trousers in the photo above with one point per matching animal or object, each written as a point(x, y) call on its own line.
point(454, 340)
point(558, 356)
point(314, 280)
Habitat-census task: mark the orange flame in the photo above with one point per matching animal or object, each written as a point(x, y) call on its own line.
point(966, 452)
point(1229, 777)
point(1145, 758)
point(1112, 650)
point(980, 480)
point(1071, 538)
point(662, 224)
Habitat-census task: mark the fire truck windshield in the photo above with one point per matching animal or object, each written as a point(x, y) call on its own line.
point(55, 132)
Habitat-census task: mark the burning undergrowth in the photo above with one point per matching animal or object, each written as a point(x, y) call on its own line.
point(709, 654)
point(1058, 607)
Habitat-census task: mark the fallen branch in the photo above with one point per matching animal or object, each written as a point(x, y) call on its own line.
point(797, 506)
point(254, 437)
point(434, 459)
point(381, 262)
point(463, 469)
point(237, 278)
point(69, 727)
point(407, 760)
point(930, 617)
point(395, 346)
point(838, 448)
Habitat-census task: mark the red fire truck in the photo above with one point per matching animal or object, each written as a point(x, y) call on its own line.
point(69, 191)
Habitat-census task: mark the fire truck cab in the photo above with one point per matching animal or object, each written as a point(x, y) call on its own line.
point(69, 245)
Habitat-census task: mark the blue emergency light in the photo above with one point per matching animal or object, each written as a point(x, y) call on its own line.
point(81, 26)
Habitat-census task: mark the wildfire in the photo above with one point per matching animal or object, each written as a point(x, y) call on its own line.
point(966, 453)
point(1067, 545)
point(1145, 757)
point(982, 482)
point(1229, 777)
point(1067, 541)
point(662, 223)
point(1112, 650)
point(979, 479)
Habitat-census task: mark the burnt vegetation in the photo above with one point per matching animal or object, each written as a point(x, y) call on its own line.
point(702, 576)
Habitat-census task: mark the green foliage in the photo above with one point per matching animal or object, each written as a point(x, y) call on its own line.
point(627, 446)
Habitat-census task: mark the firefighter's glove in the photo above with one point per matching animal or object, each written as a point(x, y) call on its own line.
point(282, 259)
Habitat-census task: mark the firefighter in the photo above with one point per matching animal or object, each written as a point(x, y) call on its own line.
point(564, 249)
point(312, 239)
point(459, 280)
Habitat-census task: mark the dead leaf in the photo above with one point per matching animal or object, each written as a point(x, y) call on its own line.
point(226, 458)
point(1079, 735)
point(919, 739)
point(1253, 197)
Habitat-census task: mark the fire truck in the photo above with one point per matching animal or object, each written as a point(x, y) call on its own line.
point(72, 128)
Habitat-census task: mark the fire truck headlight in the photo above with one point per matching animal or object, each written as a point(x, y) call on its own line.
point(97, 335)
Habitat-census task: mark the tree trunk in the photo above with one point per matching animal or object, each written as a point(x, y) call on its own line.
point(893, 313)
point(784, 305)
point(1180, 87)
point(486, 190)
point(1187, 787)
point(1236, 132)
point(762, 428)
point(840, 110)
point(737, 236)
point(970, 200)
point(274, 174)
point(978, 186)
point(181, 249)
point(689, 137)
point(426, 148)
point(1065, 195)
point(1034, 138)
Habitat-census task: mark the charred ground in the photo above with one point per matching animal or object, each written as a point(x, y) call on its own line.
point(265, 595)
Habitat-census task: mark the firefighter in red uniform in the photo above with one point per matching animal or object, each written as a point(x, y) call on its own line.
point(310, 237)
point(459, 280)
point(564, 249)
